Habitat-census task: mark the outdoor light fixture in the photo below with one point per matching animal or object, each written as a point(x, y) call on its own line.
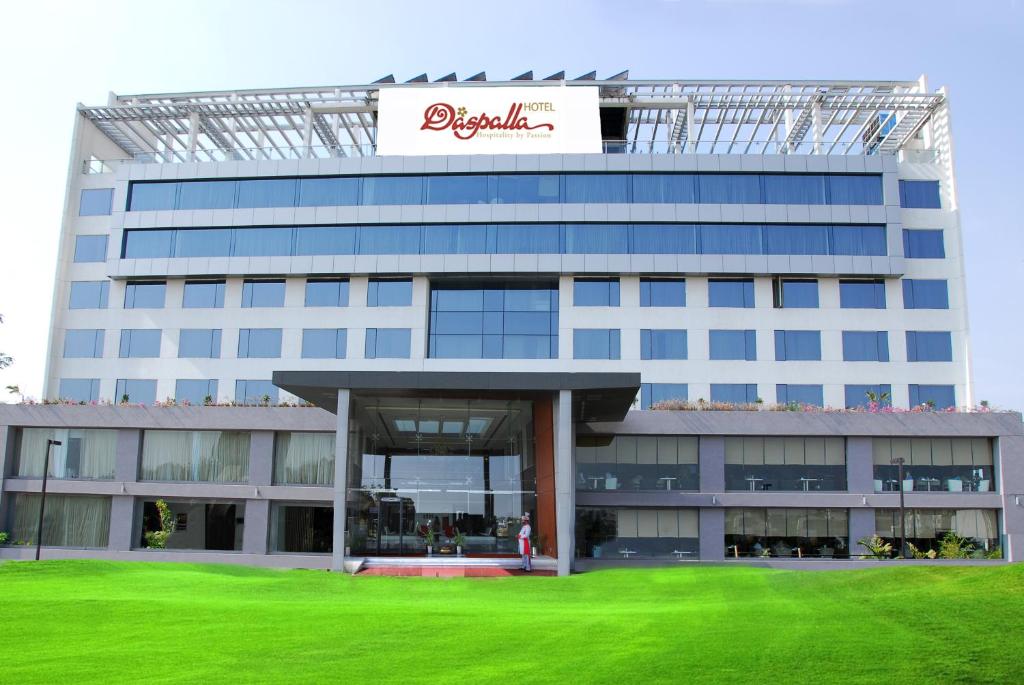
point(864, 500)
point(42, 498)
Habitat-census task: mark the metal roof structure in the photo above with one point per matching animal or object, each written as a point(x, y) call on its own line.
point(661, 116)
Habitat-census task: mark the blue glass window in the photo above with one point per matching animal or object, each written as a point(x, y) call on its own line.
point(255, 392)
point(662, 292)
point(528, 188)
point(267, 192)
point(392, 190)
point(859, 241)
point(203, 295)
point(797, 346)
point(85, 343)
point(596, 188)
point(730, 239)
point(327, 292)
point(796, 239)
point(144, 295)
point(195, 391)
point(938, 396)
point(89, 294)
point(855, 189)
point(263, 242)
point(795, 294)
point(800, 394)
point(263, 294)
point(735, 345)
point(328, 192)
point(261, 343)
point(389, 293)
point(652, 393)
point(664, 239)
point(203, 242)
point(731, 292)
point(140, 343)
point(595, 343)
point(136, 390)
point(794, 189)
point(199, 343)
point(96, 202)
point(526, 239)
point(925, 294)
point(665, 188)
point(455, 239)
point(90, 248)
point(735, 393)
point(79, 389)
point(662, 344)
point(729, 189)
point(324, 343)
point(498, 321)
point(388, 343)
point(389, 240)
point(929, 346)
point(206, 195)
point(865, 346)
point(595, 292)
point(148, 244)
point(859, 395)
point(151, 196)
point(862, 294)
point(923, 243)
point(596, 239)
point(920, 195)
point(457, 190)
point(325, 240)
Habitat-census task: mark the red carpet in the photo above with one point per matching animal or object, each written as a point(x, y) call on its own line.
point(449, 571)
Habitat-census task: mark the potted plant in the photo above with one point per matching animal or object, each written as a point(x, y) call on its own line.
point(428, 536)
point(460, 540)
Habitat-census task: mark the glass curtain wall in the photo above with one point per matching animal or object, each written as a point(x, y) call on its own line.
point(636, 462)
point(200, 525)
point(934, 464)
point(927, 527)
point(304, 459)
point(637, 533)
point(83, 453)
point(423, 467)
point(789, 533)
point(785, 464)
point(68, 521)
point(202, 456)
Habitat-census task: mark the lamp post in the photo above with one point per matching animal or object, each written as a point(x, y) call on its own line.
point(899, 461)
point(42, 499)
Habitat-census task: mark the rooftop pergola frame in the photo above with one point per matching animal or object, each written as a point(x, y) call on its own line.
point(661, 117)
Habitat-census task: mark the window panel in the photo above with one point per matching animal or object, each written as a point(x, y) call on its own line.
point(922, 243)
point(267, 192)
point(457, 190)
point(800, 240)
point(596, 239)
point(324, 343)
point(526, 239)
point(528, 188)
point(327, 292)
point(83, 344)
point(89, 295)
point(261, 343)
point(865, 346)
point(800, 394)
point(455, 239)
point(794, 294)
point(151, 196)
point(595, 343)
point(256, 392)
point(137, 390)
point(929, 346)
point(859, 241)
point(664, 239)
point(603, 292)
point(263, 242)
point(731, 292)
point(655, 292)
point(664, 188)
point(855, 189)
point(140, 343)
point(794, 189)
point(148, 244)
point(199, 343)
point(732, 345)
point(730, 239)
point(920, 195)
point(388, 343)
point(90, 248)
point(325, 240)
point(652, 393)
point(391, 190)
point(389, 240)
point(206, 195)
point(195, 456)
point(79, 389)
point(939, 396)
point(263, 294)
point(862, 294)
point(328, 192)
point(729, 189)
point(797, 346)
point(203, 295)
point(735, 393)
point(662, 344)
point(144, 295)
point(96, 202)
point(203, 242)
point(389, 293)
point(925, 294)
point(195, 391)
point(857, 395)
point(596, 188)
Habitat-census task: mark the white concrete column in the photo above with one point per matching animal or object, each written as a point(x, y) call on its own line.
point(340, 479)
point(565, 489)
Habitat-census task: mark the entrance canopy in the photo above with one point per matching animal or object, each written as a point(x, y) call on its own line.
point(595, 396)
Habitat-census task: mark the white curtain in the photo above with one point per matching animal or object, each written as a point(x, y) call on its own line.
point(81, 454)
point(69, 520)
point(203, 456)
point(304, 459)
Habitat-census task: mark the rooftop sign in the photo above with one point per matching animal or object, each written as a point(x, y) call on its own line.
point(488, 121)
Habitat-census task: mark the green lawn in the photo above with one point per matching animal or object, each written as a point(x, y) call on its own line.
point(78, 621)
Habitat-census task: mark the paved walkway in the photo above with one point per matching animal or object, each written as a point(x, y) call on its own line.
point(449, 571)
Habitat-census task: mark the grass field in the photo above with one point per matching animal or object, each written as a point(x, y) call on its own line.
point(94, 621)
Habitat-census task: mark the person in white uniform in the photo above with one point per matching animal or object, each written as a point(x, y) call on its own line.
point(524, 543)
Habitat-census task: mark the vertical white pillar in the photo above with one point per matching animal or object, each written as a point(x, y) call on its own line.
point(340, 479)
point(565, 507)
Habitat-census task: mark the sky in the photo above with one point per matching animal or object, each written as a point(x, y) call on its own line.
point(56, 55)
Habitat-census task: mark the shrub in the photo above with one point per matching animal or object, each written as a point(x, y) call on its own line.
point(953, 546)
point(920, 554)
point(3, 538)
point(157, 539)
point(994, 553)
point(876, 546)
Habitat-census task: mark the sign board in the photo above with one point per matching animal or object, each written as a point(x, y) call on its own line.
point(488, 121)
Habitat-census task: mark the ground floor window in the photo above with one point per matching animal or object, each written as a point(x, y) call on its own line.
point(302, 529)
point(637, 533)
point(790, 532)
point(69, 520)
point(197, 524)
point(975, 531)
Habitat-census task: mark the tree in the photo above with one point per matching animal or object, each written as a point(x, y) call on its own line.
point(5, 360)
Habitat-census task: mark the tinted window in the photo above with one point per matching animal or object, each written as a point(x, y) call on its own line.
point(735, 345)
point(313, 240)
point(455, 239)
point(136, 390)
point(794, 189)
point(389, 240)
point(664, 239)
point(148, 244)
point(652, 393)
point(144, 295)
point(797, 346)
point(90, 248)
point(595, 292)
point(658, 188)
point(199, 343)
point(263, 294)
point(96, 202)
point(728, 189)
point(865, 346)
point(457, 190)
point(203, 294)
point(324, 343)
point(596, 239)
point(662, 344)
point(79, 389)
point(269, 192)
point(662, 292)
point(730, 239)
point(255, 391)
point(859, 241)
point(526, 239)
point(389, 293)
point(195, 391)
point(938, 396)
point(391, 343)
point(203, 242)
point(921, 243)
point(862, 294)
point(596, 188)
point(736, 393)
point(206, 195)
point(89, 295)
point(920, 195)
point(328, 192)
point(528, 188)
point(858, 395)
point(139, 342)
point(925, 294)
point(595, 343)
point(83, 343)
point(929, 346)
point(392, 190)
point(801, 394)
point(263, 242)
point(862, 189)
point(731, 293)
point(150, 196)
point(794, 294)
point(263, 343)
point(796, 240)
point(327, 293)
